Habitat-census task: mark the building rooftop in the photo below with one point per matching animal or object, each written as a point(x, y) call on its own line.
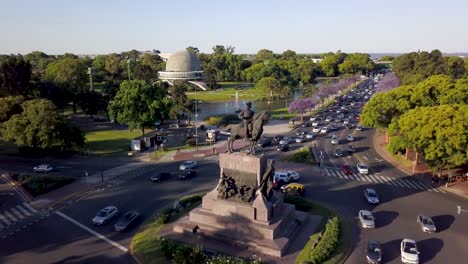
point(183, 61)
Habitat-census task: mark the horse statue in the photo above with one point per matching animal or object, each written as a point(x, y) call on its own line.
point(239, 132)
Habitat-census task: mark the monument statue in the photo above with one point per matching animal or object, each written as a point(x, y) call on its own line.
point(229, 190)
point(246, 115)
point(242, 130)
point(266, 183)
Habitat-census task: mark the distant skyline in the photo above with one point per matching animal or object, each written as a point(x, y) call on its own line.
point(105, 26)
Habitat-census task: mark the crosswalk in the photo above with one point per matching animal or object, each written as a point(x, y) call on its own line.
point(212, 157)
point(15, 215)
point(380, 179)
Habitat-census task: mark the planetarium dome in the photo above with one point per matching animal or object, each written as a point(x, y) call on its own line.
point(183, 61)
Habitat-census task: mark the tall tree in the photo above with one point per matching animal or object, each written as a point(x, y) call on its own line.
point(263, 55)
point(10, 106)
point(16, 75)
point(270, 84)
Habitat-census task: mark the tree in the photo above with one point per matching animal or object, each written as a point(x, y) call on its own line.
point(456, 67)
point(288, 55)
point(388, 82)
point(138, 104)
point(329, 66)
point(263, 55)
point(301, 106)
point(181, 104)
point(40, 126)
point(90, 102)
point(69, 73)
point(386, 58)
point(112, 64)
point(269, 84)
point(39, 61)
point(10, 106)
point(16, 75)
point(356, 63)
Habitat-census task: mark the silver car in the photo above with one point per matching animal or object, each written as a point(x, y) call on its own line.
point(371, 196)
point(189, 164)
point(426, 224)
point(105, 215)
point(366, 218)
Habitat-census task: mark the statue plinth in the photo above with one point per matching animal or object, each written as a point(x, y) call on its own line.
point(263, 224)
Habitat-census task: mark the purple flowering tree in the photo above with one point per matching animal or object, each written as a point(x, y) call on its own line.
point(388, 82)
point(301, 106)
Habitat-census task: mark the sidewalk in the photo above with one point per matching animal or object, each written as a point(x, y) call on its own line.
point(460, 188)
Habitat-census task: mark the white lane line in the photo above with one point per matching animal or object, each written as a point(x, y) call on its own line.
point(381, 179)
point(344, 174)
point(365, 178)
point(403, 182)
point(113, 243)
point(18, 214)
point(390, 181)
point(5, 220)
point(358, 176)
point(364, 157)
point(23, 210)
point(420, 185)
point(441, 190)
point(386, 181)
point(396, 182)
point(10, 216)
point(30, 207)
point(374, 178)
point(410, 182)
point(368, 176)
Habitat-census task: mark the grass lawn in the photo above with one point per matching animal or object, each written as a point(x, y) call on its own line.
point(39, 184)
point(302, 155)
point(229, 93)
point(110, 142)
point(282, 113)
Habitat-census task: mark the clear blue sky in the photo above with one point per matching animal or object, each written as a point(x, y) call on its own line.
point(308, 26)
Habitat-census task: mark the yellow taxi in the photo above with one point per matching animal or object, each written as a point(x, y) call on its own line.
point(293, 189)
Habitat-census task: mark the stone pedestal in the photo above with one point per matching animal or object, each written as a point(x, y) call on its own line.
point(266, 226)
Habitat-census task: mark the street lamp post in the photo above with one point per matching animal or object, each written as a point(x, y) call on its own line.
point(128, 68)
point(90, 72)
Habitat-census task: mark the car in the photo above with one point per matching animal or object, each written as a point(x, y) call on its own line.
point(300, 132)
point(316, 129)
point(409, 251)
point(338, 119)
point(174, 125)
point(286, 176)
point(315, 124)
point(105, 215)
point(351, 149)
point(283, 147)
point(305, 124)
point(333, 127)
point(162, 176)
point(45, 168)
point(346, 169)
point(350, 137)
point(338, 111)
point(311, 135)
point(127, 220)
point(426, 224)
point(346, 121)
point(362, 168)
point(277, 138)
point(324, 130)
point(349, 126)
point(371, 196)
point(264, 142)
point(187, 174)
point(335, 140)
point(312, 118)
point(366, 218)
point(328, 119)
point(338, 152)
point(296, 189)
point(373, 252)
point(225, 133)
point(300, 139)
point(359, 128)
point(287, 140)
point(189, 164)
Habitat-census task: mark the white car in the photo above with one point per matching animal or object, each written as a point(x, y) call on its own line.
point(345, 121)
point(312, 118)
point(300, 139)
point(362, 168)
point(315, 124)
point(286, 140)
point(409, 251)
point(105, 215)
point(311, 135)
point(316, 129)
point(189, 164)
point(371, 196)
point(350, 137)
point(366, 218)
point(286, 176)
point(426, 224)
point(45, 168)
point(335, 140)
point(328, 119)
point(324, 130)
point(359, 128)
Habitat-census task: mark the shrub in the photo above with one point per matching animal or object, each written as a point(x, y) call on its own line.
point(397, 145)
point(190, 199)
point(168, 247)
point(213, 120)
point(327, 244)
point(303, 155)
point(37, 185)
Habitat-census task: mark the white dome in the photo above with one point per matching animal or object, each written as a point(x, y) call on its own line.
point(183, 61)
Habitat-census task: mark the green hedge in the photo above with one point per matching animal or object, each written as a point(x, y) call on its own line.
point(327, 243)
point(37, 185)
point(303, 155)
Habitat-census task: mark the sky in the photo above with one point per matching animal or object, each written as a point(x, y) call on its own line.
point(308, 26)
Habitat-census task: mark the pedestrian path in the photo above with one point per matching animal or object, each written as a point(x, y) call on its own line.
point(15, 215)
point(212, 157)
point(380, 179)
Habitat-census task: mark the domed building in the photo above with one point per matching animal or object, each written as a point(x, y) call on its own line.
point(185, 66)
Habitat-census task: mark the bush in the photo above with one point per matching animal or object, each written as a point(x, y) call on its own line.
point(303, 155)
point(190, 199)
point(397, 145)
point(168, 247)
point(231, 260)
point(213, 120)
point(37, 185)
point(327, 244)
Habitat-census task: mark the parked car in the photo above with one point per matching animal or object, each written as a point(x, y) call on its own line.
point(324, 130)
point(283, 147)
point(338, 152)
point(362, 168)
point(45, 168)
point(371, 196)
point(409, 251)
point(293, 189)
point(316, 129)
point(366, 218)
point(346, 169)
point(286, 140)
point(187, 174)
point(105, 215)
point(350, 137)
point(264, 142)
point(286, 176)
point(277, 138)
point(127, 220)
point(162, 176)
point(335, 140)
point(426, 224)
point(311, 135)
point(189, 164)
point(351, 149)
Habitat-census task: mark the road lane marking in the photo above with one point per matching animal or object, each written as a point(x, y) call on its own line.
point(5, 220)
point(15, 212)
point(420, 185)
point(364, 157)
point(10, 216)
point(390, 180)
point(113, 243)
point(377, 178)
point(403, 183)
point(23, 210)
point(30, 208)
point(412, 184)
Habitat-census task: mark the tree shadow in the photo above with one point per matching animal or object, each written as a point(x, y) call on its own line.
point(429, 248)
point(443, 222)
point(384, 218)
point(391, 250)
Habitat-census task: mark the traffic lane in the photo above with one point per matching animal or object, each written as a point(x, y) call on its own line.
point(55, 240)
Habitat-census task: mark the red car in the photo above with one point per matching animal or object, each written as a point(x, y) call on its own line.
point(346, 169)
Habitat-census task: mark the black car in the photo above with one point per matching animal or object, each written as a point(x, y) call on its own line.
point(264, 142)
point(351, 149)
point(306, 124)
point(283, 147)
point(333, 127)
point(277, 138)
point(338, 153)
point(374, 252)
point(187, 174)
point(160, 177)
point(127, 220)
